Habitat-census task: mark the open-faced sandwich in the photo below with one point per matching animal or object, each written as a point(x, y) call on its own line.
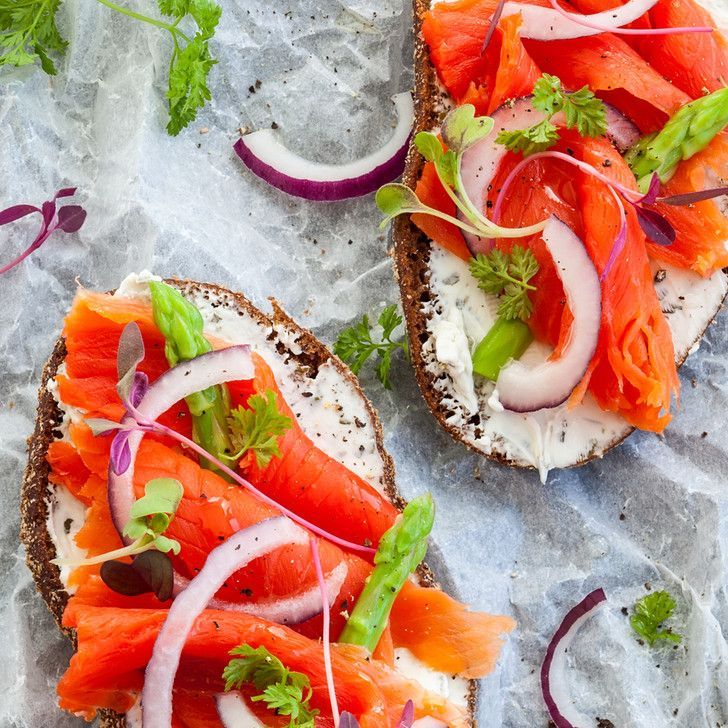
point(210, 514)
point(563, 244)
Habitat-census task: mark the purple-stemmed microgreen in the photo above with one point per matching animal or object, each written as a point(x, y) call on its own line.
point(132, 388)
point(68, 218)
point(348, 720)
point(149, 519)
point(408, 715)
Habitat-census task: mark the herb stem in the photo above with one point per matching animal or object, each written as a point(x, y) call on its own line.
point(138, 547)
point(174, 31)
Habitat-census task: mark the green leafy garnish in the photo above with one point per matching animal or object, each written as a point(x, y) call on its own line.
point(284, 691)
point(460, 130)
point(583, 111)
point(150, 517)
point(28, 33)
point(649, 614)
point(507, 275)
point(529, 141)
point(152, 514)
point(257, 428)
point(355, 345)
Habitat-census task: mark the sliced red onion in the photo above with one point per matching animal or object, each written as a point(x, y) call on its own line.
point(585, 21)
point(555, 23)
point(207, 370)
point(553, 668)
point(284, 610)
point(494, 20)
point(222, 562)
point(267, 158)
point(348, 720)
point(526, 389)
point(326, 631)
point(234, 712)
point(480, 162)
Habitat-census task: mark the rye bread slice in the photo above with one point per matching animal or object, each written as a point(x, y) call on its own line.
point(308, 355)
point(411, 256)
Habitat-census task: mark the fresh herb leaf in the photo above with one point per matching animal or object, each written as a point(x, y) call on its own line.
point(583, 111)
point(355, 345)
point(150, 571)
point(258, 428)
point(649, 614)
point(150, 517)
point(28, 33)
point(507, 275)
point(461, 128)
point(547, 94)
point(284, 691)
point(536, 138)
point(151, 514)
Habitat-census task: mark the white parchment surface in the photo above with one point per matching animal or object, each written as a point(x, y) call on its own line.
point(653, 512)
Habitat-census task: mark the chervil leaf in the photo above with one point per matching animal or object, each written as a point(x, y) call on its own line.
point(649, 614)
point(283, 691)
point(188, 91)
point(585, 112)
point(547, 94)
point(257, 428)
point(582, 111)
point(507, 275)
point(28, 32)
point(537, 138)
point(355, 345)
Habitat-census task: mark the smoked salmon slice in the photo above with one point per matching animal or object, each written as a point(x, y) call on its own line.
point(615, 72)
point(212, 509)
point(97, 678)
point(634, 371)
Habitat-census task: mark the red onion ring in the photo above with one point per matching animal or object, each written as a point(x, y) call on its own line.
point(284, 610)
point(235, 553)
point(480, 162)
point(264, 155)
point(586, 22)
point(207, 370)
point(527, 389)
point(540, 23)
point(233, 711)
point(326, 631)
point(552, 667)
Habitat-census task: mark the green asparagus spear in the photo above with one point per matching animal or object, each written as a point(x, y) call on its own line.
point(400, 551)
point(686, 133)
point(506, 340)
point(181, 325)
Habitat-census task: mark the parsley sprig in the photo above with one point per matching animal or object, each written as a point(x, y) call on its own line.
point(257, 428)
point(28, 32)
point(356, 344)
point(582, 111)
point(284, 691)
point(507, 275)
point(649, 614)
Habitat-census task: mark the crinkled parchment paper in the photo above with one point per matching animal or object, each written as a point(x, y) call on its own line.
point(654, 511)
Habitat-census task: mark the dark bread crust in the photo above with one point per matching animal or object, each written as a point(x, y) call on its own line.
point(34, 503)
point(411, 254)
